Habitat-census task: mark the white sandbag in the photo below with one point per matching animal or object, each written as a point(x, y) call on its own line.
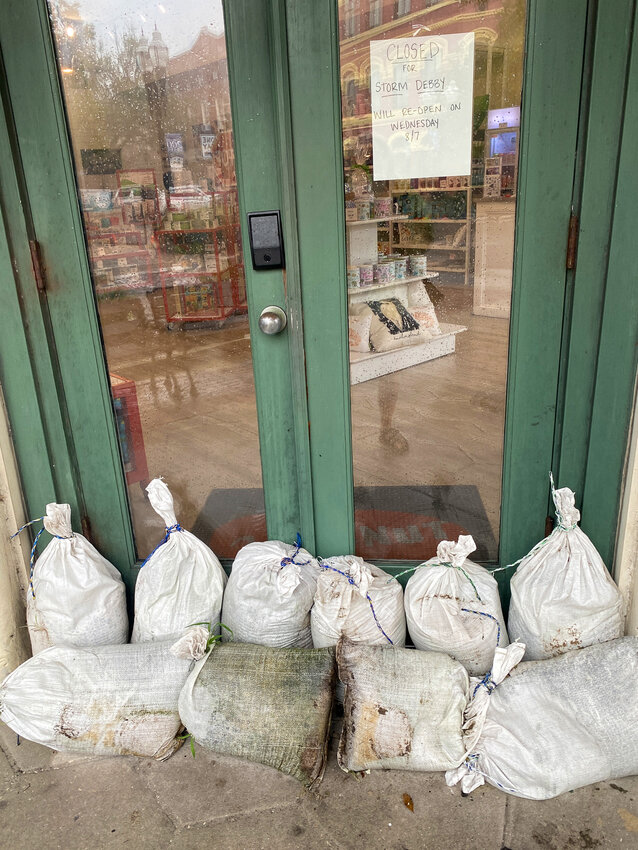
point(562, 594)
point(75, 596)
point(553, 725)
point(358, 601)
point(107, 700)
point(269, 595)
point(180, 583)
point(452, 605)
point(403, 709)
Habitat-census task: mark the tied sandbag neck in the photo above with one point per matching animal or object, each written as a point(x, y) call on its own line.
point(169, 530)
point(354, 584)
point(291, 559)
point(566, 514)
point(436, 562)
point(34, 547)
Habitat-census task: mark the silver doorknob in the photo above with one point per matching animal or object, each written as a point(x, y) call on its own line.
point(272, 320)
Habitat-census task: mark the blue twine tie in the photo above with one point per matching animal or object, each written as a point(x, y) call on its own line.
point(471, 762)
point(491, 616)
point(34, 547)
point(351, 581)
point(291, 559)
point(169, 530)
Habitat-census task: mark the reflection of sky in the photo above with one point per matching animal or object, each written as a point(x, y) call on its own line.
point(179, 21)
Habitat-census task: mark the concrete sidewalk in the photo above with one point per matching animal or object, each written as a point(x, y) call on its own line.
point(51, 800)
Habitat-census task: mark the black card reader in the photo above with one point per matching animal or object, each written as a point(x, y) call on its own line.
point(266, 242)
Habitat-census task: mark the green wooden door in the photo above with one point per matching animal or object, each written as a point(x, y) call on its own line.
point(286, 88)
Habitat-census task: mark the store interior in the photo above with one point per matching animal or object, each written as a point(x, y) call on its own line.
point(151, 130)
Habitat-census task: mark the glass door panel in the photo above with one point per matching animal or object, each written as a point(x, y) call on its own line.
point(431, 115)
point(148, 107)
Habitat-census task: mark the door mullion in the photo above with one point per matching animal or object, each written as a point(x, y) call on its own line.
point(251, 76)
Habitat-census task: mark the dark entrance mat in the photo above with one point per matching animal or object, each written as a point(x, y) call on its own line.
point(390, 522)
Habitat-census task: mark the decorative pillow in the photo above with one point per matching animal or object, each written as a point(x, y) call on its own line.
point(392, 325)
point(359, 327)
point(426, 317)
point(403, 708)
point(263, 704)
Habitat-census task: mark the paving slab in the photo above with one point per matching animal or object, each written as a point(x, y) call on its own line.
point(7, 773)
point(210, 787)
point(101, 804)
point(600, 816)
point(277, 829)
point(371, 812)
point(27, 757)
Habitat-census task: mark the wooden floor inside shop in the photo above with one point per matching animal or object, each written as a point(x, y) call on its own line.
point(436, 423)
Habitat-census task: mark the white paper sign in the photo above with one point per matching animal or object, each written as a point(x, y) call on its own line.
point(421, 95)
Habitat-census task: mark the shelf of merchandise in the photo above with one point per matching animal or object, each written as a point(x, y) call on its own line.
point(200, 294)
point(364, 366)
point(397, 244)
point(360, 293)
point(364, 221)
point(120, 256)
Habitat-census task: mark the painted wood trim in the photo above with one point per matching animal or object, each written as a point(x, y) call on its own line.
point(617, 355)
point(549, 128)
point(27, 371)
point(313, 56)
point(258, 159)
point(601, 144)
point(83, 392)
point(292, 281)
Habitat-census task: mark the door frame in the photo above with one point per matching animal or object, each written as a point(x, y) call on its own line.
point(62, 416)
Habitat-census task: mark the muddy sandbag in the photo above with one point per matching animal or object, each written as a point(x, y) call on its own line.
point(265, 705)
point(563, 597)
point(107, 700)
point(358, 601)
point(452, 605)
point(269, 595)
point(75, 596)
point(556, 725)
point(180, 583)
point(403, 708)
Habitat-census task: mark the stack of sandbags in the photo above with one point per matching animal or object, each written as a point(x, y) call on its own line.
point(452, 605)
point(181, 582)
point(269, 595)
point(75, 596)
point(358, 601)
point(563, 597)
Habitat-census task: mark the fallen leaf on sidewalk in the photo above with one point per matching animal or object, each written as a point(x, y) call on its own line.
point(408, 802)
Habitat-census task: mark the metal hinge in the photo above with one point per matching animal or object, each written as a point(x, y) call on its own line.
point(572, 242)
point(86, 526)
point(37, 265)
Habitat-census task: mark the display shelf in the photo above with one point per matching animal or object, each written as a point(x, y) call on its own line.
point(465, 249)
point(457, 270)
point(365, 366)
point(201, 294)
point(430, 246)
point(404, 280)
point(358, 223)
point(435, 220)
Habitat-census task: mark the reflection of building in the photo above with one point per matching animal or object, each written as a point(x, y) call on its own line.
point(498, 26)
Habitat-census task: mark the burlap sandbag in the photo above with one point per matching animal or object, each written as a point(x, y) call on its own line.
point(263, 704)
